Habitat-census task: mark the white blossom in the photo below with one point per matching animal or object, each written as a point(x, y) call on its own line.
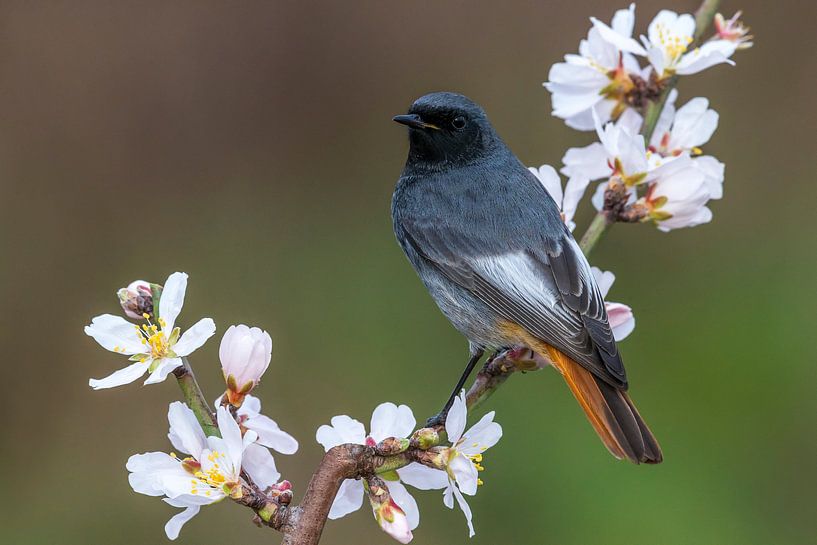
point(258, 461)
point(619, 315)
point(245, 353)
point(667, 43)
point(568, 199)
point(210, 473)
point(463, 459)
point(686, 130)
point(599, 77)
point(155, 348)
point(388, 420)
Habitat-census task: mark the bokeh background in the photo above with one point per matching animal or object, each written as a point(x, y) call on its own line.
point(250, 145)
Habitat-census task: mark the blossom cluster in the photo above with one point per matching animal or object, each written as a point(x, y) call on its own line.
point(233, 458)
point(456, 470)
point(209, 468)
point(659, 172)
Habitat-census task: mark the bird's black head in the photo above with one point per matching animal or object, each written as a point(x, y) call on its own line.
point(447, 129)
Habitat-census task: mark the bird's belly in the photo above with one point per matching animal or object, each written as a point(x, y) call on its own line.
point(473, 318)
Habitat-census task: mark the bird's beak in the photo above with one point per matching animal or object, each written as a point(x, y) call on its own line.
point(414, 121)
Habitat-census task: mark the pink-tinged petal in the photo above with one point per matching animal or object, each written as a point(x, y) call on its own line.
point(405, 501)
point(270, 435)
point(116, 334)
point(348, 500)
point(165, 366)
point(174, 525)
point(195, 337)
point(121, 377)
point(423, 477)
point(259, 463)
point(185, 433)
point(455, 421)
point(172, 299)
point(389, 420)
point(621, 319)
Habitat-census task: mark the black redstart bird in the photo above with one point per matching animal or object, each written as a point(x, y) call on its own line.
point(490, 245)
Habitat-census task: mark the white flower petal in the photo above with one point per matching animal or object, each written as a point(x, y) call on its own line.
point(231, 434)
point(170, 305)
point(344, 429)
point(389, 420)
point(194, 337)
point(694, 124)
point(150, 472)
point(588, 162)
point(482, 435)
point(465, 473)
point(270, 435)
point(457, 415)
point(405, 501)
point(123, 376)
point(116, 334)
point(550, 180)
point(174, 525)
point(348, 500)
point(423, 477)
point(466, 510)
point(622, 43)
point(259, 463)
point(604, 280)
point(185, 433)
point(165, 366)
point(574, 191)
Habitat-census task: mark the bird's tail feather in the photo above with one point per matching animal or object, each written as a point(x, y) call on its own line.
point(610, 411)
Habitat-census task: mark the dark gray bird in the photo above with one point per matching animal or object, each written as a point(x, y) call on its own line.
point(490, 245)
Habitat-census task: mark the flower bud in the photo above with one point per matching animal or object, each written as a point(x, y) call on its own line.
point(425, 438)
point(136, 299)
point(391, 446)
point(245, 354)
point(391, 518)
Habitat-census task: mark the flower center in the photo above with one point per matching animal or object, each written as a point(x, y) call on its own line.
point(157, 344)
point(673, 44)
point(212, 478)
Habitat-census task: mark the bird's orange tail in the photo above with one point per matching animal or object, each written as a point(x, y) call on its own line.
point(610, 411)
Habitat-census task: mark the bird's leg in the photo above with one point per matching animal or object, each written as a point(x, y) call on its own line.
point(439, 419)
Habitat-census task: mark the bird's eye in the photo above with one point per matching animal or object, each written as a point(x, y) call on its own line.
point(458, 122)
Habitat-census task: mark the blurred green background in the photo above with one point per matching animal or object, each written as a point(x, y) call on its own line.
point(250, 145)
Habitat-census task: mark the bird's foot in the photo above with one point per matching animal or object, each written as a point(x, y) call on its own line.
point(436, 420)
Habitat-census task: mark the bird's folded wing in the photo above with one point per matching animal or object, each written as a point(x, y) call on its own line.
point(542, 283)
